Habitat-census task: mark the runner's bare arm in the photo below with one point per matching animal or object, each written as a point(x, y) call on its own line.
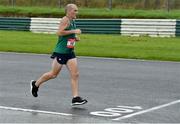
point(63, 25)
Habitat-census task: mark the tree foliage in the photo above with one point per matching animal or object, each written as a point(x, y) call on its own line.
point(135, 4)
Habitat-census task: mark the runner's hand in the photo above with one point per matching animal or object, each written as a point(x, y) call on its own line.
point(77, 38)
point(77, 31)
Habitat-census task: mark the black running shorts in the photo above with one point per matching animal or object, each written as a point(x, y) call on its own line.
point(63, 58)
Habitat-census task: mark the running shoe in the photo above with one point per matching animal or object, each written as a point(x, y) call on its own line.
point(78, 101)
point(34, 88)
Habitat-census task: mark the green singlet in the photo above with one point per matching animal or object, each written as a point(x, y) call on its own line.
point(61, 46)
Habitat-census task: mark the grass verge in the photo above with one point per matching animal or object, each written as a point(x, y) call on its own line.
point(116, 46)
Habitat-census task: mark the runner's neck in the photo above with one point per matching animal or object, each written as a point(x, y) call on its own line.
point(69, 17)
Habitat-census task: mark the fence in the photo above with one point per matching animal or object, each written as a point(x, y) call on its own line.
point(129, 27)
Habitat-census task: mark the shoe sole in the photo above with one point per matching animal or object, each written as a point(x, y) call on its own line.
point(76, 103)
point(31, 86)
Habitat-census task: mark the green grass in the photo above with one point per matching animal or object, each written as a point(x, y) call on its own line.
point(167, 49)
point(88, 12)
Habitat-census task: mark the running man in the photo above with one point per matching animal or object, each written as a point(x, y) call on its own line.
point(64, 55)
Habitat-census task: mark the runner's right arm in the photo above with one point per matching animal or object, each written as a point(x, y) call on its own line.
point(63, 25)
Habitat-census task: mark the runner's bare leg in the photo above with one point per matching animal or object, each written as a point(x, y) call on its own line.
point(56, 68)
point(74, 72)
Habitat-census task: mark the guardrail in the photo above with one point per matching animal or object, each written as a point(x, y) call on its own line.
point(178, 28)
point(20, 24)
point(129, 27)
point(151, 27)
point(99, 26)
point(44, 25)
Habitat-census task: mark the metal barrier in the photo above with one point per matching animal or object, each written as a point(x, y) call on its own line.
point(20, 24)
point(44, 25)
point(178, 28)
point(99, 26)
point(150, 27)
point(129, 27)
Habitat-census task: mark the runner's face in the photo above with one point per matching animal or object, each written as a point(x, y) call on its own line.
point(74, 12)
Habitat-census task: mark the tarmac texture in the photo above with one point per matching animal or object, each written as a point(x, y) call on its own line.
point(118, 90)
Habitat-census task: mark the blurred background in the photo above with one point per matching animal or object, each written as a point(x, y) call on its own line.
point(125, 4)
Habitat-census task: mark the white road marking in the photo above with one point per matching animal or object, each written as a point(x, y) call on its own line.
point(116, 112)
point(37, 111)
point(147, 110)
point(130, 107)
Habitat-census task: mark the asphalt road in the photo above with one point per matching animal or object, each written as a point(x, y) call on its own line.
point(118, 90)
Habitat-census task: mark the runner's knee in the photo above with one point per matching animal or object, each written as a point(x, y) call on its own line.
point(52, 75)
point(75, 75)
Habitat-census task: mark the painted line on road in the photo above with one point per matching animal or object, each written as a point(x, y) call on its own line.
point(36, 111)
point(147, 110)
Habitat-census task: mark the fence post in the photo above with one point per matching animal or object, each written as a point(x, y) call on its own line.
point(86, 3)
point(59, 3)
point(32, 3)
point(168, 5)
point(146, 3)
point(73, 1)
point(157, 4)
point(12, 2)
point(110, 4)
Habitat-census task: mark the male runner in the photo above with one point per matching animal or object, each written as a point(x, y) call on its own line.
point(64, 55)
